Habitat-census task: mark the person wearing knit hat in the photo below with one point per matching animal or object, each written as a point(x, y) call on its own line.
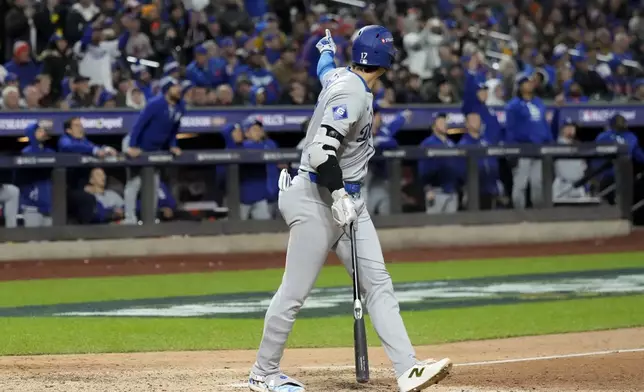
point(22, 65)
point(171, 68)
point(156, 129)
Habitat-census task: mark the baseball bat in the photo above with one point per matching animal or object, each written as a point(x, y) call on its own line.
point(359, 331)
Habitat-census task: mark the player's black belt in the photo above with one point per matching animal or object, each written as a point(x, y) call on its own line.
point(352, 188)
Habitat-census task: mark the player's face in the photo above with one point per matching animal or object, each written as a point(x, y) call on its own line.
point(482, 95)
point(175, 93)
point(41, 134)
point(76, 130)
point(255, 132)
point(97, 178)
point(237, 135)
point(473, 122)
point(440, 125)
point(527, 87)
point(569, 132)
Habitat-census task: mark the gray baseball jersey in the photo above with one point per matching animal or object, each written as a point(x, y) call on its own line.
point(346, 104)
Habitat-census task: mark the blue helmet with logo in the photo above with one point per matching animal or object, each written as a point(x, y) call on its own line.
point(374, 46)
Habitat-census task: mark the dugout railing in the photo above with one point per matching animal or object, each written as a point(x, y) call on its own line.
point(149, 163)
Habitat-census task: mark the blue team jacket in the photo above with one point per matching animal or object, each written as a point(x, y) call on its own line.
point(628, 138)
point(211, 76)
point(35, 184)
point(384, 139)
point(471, 104)
point(440, 172)
point(157, 126)
point(256, 180)
point(70, 144)
point(526, 122)
point(488, 166)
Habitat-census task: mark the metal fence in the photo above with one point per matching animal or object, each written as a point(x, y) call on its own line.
point(149, 163)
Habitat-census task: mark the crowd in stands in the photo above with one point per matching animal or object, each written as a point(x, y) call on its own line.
point(127, 53)
point(86, 53)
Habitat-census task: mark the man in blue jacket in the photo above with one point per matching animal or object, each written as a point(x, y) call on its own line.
point(376, 184)
point(439, 175)
point(255, 178)
point(617, 133)
point(35, 184)
point(81, 205)
point(74, 141)
point(526, 124)
point(205, 72)
point(155, 130)
point(474, 97)
point(490, 188)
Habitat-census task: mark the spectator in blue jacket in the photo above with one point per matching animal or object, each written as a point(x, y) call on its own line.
point(74, 141)
point(166, 203)
point(376, 184)
point(155, 130)
point(143, 80)
point(254, 178)
point(261, 77)
point(617, 133)
point(475, 96)
point(439, 175)
point(526, 124)
point(22, 65)
point(205, 72)
point(490, 188)
point(35, 184)
point(81, 205)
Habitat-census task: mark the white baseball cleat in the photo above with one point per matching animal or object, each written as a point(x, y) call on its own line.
point(278, 382)
point(424, 374)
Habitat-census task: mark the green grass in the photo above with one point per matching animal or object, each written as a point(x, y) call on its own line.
point(92, 335)
point(58, 291)
point(39, 335)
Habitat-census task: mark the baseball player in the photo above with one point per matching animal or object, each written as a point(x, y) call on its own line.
point(320, 204)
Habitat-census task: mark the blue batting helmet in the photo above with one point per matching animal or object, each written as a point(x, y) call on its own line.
point(374, 46)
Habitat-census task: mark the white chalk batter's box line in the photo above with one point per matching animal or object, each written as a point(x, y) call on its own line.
point(481, 363)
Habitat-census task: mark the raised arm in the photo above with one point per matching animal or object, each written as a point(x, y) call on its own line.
point(327, 49)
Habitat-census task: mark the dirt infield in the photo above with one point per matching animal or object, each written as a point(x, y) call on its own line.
point(580, 362)
point(43, 269)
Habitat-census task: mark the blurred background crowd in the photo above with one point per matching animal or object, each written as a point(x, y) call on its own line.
point(86, 53)
point(478, 54)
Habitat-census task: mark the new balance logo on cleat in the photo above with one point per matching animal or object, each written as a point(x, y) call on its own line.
point(416, 372)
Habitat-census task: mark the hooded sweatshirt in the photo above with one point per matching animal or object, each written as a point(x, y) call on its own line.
point(35, 184)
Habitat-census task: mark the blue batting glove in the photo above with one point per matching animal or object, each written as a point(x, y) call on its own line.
point(326, 44)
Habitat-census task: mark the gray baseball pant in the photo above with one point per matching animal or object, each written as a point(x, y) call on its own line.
point(256, 211)
point(306, 209)
point(10, 199)
point(443, 203)
point(377, 195)
point(131, 194)
point(527, 170)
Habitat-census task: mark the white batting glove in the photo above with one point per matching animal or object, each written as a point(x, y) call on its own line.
point(326, 44)
point(343, 208)
point(285, 180)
